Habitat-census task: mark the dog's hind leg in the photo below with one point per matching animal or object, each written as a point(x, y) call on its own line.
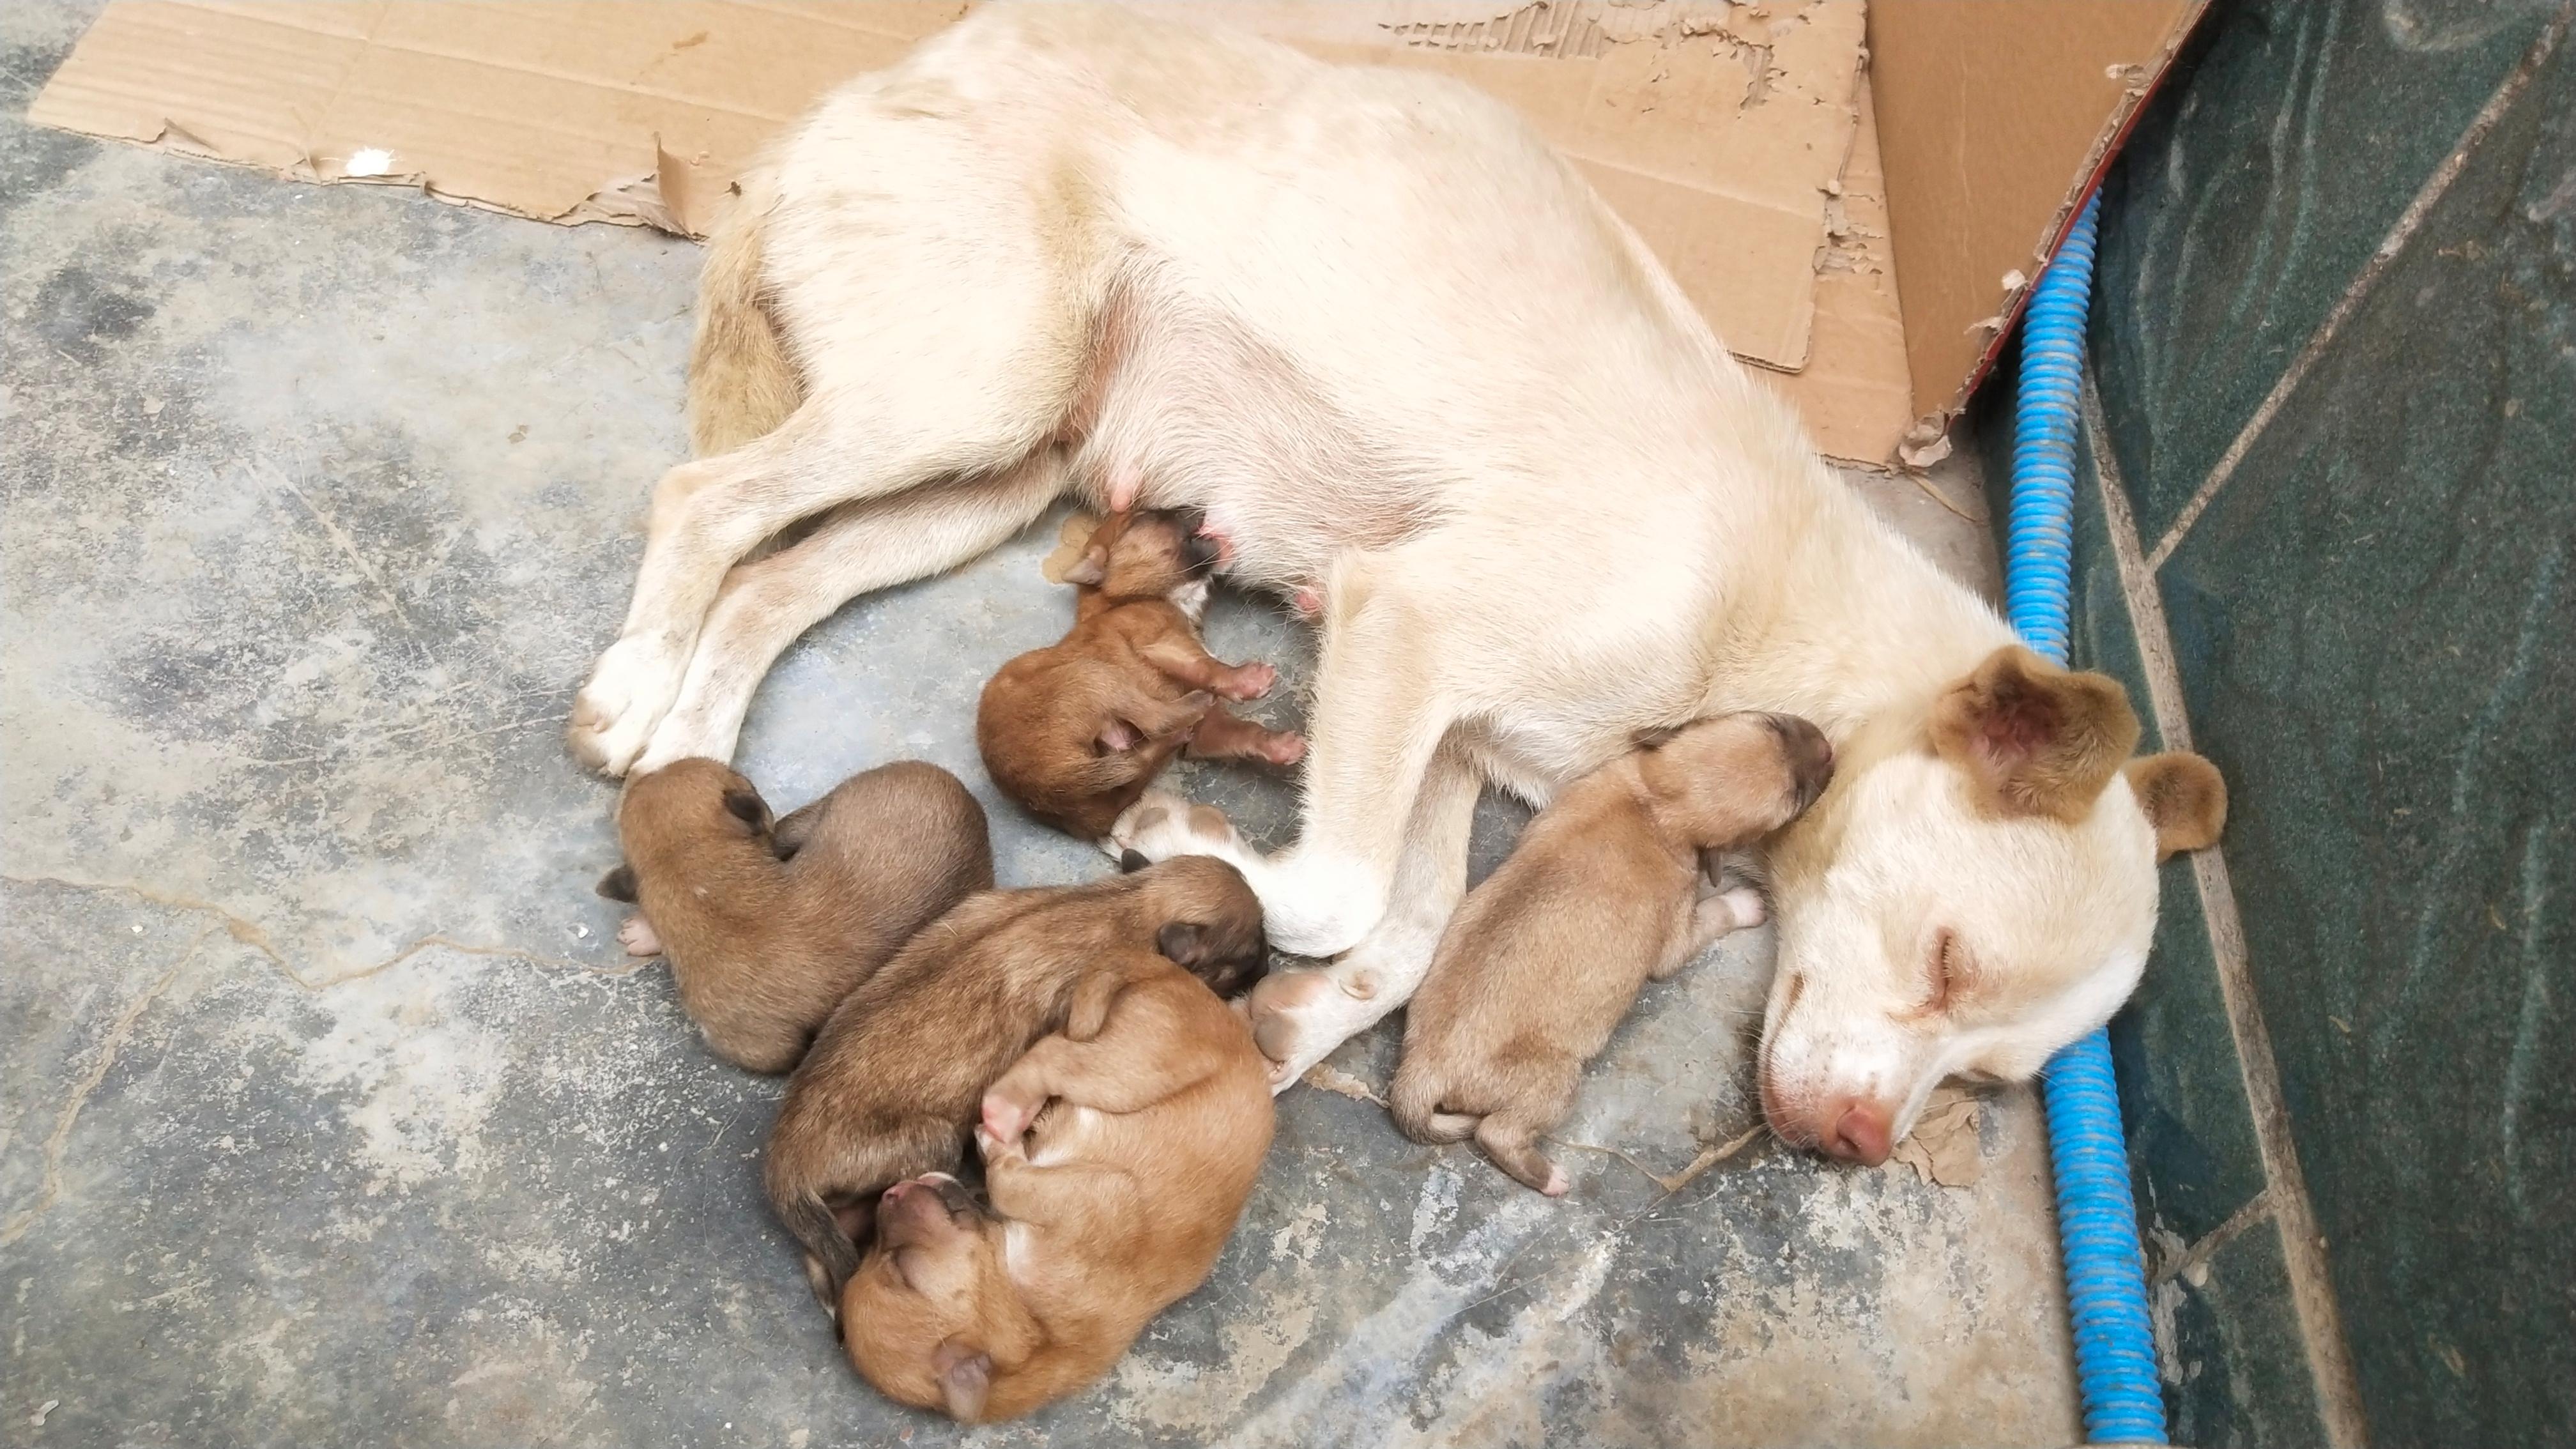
point(946, 391)
point(863, 546)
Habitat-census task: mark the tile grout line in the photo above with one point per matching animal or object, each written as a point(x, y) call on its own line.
point(2408, 222)
point(2312, 1295)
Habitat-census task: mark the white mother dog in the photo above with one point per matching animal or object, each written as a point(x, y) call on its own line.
point(1418, 375)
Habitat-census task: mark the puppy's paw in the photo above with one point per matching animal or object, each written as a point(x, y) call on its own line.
point(1556, 1183)
point(1283, 747)
point(1744, 906)
point(1161, 825)
point(614, 715)
point(1248, 681)
point(1007, 1115)
point(638, 938)
point(999, 1150)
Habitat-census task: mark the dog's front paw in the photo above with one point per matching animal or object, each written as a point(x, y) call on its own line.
point(1283, 747)
point(615, 712)
point(1161, 825)
point(1298, 1017)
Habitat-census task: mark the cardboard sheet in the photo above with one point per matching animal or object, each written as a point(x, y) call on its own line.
point(1997, 117)
point(1732, 136)
point(1714, 129)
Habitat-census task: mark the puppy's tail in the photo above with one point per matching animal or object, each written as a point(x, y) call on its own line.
point(1414, 1100)
point(742, 383)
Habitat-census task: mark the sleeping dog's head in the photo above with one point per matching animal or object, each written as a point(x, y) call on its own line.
point(1975, 890)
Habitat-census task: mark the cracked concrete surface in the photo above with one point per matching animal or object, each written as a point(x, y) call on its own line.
point(332, 1113)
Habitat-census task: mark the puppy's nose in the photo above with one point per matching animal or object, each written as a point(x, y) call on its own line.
point(1856, 1131)
point(1199, 552)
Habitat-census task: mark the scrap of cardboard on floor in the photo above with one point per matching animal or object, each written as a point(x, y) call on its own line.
point(1943, 1147)
point(1737, 138)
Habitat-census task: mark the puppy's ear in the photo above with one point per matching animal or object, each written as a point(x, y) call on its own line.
point(1655, 738)
point(1132, 860)
point(1091, 570)
point(1186, 942)
point(744, 804)
point(1116, 738)
point(619, 884)
point(965, 1378)
point(2036, 740)
point(2185, 799)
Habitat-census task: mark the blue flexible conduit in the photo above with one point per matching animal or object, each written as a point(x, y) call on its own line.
point(2097, 1220)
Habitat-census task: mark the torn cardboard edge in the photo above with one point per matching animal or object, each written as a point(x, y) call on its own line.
point(641, 114)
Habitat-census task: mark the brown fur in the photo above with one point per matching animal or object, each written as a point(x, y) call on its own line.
point(1117, 1167)
point(2035, 739)
point(1547, 955)
point(891, 1086)
point(2184, 797)
point(1076, 731)
point(768, 926)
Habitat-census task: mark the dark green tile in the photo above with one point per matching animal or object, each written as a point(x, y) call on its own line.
point(2182, 1092)
point(2374, 624)
point(2258, 183)
point(2236, 1367)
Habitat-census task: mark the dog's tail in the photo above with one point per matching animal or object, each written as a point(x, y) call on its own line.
point(742, 383)
point(1414, 1100)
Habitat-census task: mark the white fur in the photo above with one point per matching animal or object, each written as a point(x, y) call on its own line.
point(1395, 347)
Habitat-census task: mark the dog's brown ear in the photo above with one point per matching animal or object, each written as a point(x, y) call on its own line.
point(1091, 570)
point(965, 1378)
point(745, 804)
point(2185, 799)
point(1116, 738)
point(2035, 739)
point(619, 884)
point(1186, 942)
point(1655, 738)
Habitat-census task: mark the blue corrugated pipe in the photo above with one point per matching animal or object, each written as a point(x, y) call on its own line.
point(2097, 1219)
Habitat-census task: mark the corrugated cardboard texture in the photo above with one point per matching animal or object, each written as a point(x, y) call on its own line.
point(1995, 117)
point(1715, 130)
point(550, 111)
point(1854, 391)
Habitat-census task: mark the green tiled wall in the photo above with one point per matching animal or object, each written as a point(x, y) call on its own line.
point(2375, 626)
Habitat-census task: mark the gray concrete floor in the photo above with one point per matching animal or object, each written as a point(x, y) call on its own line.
point(330, 1111)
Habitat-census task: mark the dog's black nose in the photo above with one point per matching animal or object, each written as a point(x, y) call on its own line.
point(1199, 552)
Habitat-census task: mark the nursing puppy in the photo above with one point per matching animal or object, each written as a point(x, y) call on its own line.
point(891, 1087)
point(769, 926)
point(1548, 954)
point(1077, 730)
point(1117, 1168)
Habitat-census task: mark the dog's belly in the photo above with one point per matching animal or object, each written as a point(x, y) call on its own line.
point(1190, 410)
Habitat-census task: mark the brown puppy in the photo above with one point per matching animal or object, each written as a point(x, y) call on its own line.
point(1117, 1168)
point(1548, 954)
point(769, 926)
point(1077, 730)
point(891, 1087)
